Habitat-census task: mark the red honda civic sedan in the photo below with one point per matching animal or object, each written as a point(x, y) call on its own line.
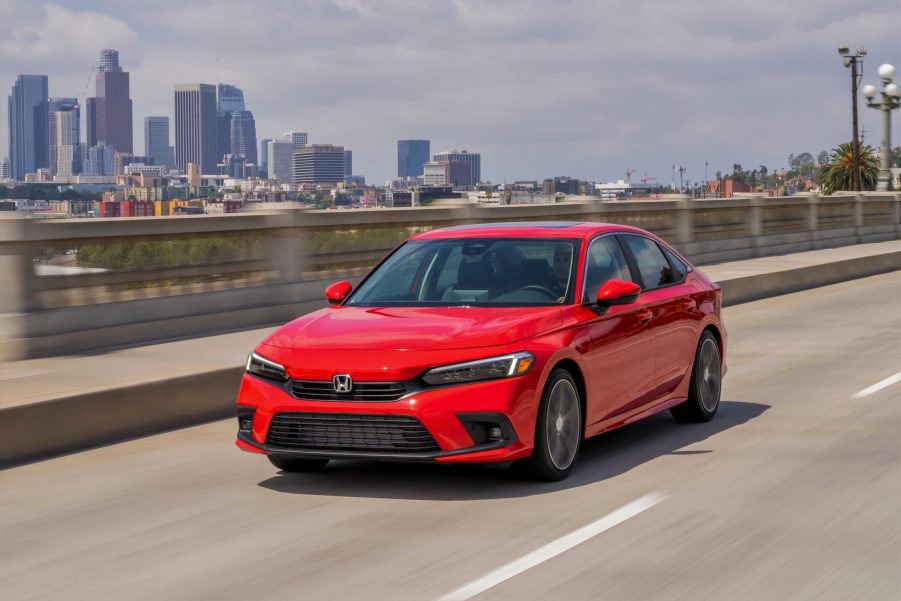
point(489, 343)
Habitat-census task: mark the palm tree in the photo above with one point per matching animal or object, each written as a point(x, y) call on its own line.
point(837, 173)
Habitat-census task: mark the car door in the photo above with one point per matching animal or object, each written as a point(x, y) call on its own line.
point(621, 346)
point(675, 318)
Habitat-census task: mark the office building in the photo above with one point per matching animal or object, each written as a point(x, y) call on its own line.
point(229, 99)
point(464, 169)
point(411, 156)
point(279, 162)
point(109, 114)
point(435, 173)
point(348, 164)
point(100, 160)
point(65, 130)
point(4, 168)
point(318, 164)
point(235, 127)
point(243, 136)
point(264, 156)
point(29, 136)
point(156, 141)
point(298, 138)
point(121, 160)
point(195, 126)
point(90, 122)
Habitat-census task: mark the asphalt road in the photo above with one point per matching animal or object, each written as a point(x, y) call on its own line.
point(792, 492)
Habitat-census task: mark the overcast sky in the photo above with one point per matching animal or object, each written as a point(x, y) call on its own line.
point(539, 87)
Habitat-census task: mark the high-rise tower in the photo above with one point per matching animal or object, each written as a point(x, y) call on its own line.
point(109, 114)
point(195, 126)
point(29, 136)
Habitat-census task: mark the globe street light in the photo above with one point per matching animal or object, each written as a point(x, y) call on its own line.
point(891, 99)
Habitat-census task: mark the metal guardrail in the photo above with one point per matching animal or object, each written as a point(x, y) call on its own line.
point(167, 277)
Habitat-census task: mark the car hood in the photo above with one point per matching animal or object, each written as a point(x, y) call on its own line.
point(414, 328)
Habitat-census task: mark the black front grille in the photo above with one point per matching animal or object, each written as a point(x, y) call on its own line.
point(314, 390)
point(350, 432)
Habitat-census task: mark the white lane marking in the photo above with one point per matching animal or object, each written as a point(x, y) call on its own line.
point(552, 549)
point(878, 386)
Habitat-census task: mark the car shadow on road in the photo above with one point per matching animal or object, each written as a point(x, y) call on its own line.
point(602, 457)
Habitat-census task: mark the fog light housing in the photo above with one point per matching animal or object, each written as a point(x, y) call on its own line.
point(245, 419)
point(488, 428)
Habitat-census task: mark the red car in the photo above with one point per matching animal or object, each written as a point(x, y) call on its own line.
point(489, 343)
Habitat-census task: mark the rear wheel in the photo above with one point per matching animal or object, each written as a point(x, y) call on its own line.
point(295, 464)
point(706, 383)
point(558, 431)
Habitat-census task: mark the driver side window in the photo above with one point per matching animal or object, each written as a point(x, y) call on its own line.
point(605, 261)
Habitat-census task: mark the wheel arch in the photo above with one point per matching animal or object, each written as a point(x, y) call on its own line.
point(576, 372)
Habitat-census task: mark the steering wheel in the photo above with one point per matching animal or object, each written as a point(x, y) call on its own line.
point(540, 288)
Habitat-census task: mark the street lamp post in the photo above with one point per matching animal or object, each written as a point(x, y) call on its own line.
point(852, 60)
point(891, 99)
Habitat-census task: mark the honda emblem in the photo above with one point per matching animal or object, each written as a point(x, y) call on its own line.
point(343, 383)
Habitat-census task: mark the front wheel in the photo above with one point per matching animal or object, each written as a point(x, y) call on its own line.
point(295, 464)
point(706, 383)
point(558, 431)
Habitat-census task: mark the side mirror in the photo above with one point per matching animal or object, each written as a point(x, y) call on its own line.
point(618, 292)
point(337, 292)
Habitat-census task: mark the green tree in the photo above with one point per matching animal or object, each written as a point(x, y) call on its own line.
point(823, 157)
point(837, 173)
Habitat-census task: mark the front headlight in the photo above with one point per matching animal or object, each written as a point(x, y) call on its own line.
point(263, 367)
point(506, 366)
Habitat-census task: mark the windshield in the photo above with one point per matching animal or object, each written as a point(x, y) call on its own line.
point(490, 272)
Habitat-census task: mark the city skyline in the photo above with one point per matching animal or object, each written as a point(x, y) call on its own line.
point(539, 93)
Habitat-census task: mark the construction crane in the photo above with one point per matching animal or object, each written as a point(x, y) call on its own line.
point(629, 172)
point(647, 179)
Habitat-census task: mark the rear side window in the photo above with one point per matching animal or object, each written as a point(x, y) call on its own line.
point(652, 264)
point(677, 263)
point(606, 261)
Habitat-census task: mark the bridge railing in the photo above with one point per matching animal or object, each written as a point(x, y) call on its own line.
point(83, 284)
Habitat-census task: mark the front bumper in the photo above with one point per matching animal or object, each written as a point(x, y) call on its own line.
point(446, 413)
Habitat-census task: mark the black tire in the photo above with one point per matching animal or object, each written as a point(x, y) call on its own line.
point(706, 383)
point(568, 425)
point(297, 464)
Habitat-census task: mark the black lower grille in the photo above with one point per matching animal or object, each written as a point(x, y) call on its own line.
point(350, 433)
point(314, 390)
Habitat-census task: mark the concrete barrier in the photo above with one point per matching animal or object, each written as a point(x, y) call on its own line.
point(195, 275)
point(71, 422)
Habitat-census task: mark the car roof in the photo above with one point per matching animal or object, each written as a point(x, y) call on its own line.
point(527, 229)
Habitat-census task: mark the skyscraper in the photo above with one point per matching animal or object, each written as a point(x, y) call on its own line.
point(156, 141)
point(64, 130)
point(229, 98)
point(195, 126)
point(348, 164)
point(279, 162)
point(318, 163)
point(411, 156)
point(235, 127)
point(464, 167)
point(264, 156)
point(109, 114)
point(243, 136)
point(29, 136)
point(298, 138)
